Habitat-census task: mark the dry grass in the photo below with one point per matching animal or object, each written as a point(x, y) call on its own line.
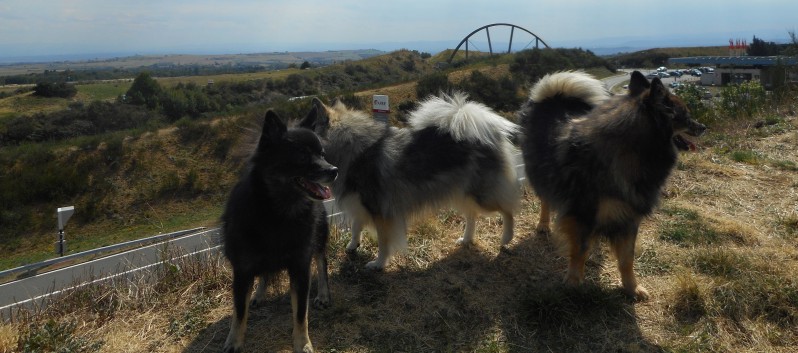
point(719, 257)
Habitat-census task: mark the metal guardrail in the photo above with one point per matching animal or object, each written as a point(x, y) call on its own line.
point(33, 291)
point(22, 270)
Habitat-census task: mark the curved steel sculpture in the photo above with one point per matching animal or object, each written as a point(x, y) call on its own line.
point(538, 40)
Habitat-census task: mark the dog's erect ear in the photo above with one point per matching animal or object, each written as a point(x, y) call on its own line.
point(658, 91)
point(317, 119)
point(638, 84)
point(273, 128)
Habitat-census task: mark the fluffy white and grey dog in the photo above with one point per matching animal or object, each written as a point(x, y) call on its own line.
point(455, 153)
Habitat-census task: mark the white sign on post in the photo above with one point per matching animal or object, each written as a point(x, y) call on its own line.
point(380, 107)
point(63, 215)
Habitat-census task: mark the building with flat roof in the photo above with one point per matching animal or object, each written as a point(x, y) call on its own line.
point(770, 71)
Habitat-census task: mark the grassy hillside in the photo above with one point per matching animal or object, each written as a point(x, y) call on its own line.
point(138, 62)
point(718, 256)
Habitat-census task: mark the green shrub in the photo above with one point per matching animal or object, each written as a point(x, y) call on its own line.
point(746, 156)
point(55, 337)
point(741, 100)
point(699, 109)
point(60, 90)
point(433, 85)
point(190, 130)
point(500, 94)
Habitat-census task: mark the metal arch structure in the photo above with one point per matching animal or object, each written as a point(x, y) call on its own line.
point(538, 40)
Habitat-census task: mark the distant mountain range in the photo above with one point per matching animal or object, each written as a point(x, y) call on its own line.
point(601, 46)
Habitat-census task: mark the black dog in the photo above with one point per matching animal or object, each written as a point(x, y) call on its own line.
point(274, 221)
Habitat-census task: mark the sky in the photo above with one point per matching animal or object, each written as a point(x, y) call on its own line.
point(67, 27)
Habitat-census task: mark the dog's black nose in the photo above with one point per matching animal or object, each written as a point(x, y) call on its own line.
point(699, 130)
point(331, 173)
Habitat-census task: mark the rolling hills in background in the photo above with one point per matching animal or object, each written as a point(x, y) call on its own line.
point(266, 61)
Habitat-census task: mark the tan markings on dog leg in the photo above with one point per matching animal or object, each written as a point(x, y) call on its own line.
point(300, 333)
point(354, 243)
point(578, 249)
point(545, 219)
point(613, 210)
point(624, 248)
point(238, 327)
point(470, 229)
point(507, 227)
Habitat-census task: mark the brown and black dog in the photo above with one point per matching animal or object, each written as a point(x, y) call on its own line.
point(600, 162)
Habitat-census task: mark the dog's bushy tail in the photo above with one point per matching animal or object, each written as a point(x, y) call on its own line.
point(464, 120)
point(553, 100)
point(569, 84)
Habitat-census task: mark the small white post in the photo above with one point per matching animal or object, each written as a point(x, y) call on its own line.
point(63, 216)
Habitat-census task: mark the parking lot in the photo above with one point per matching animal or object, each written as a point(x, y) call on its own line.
point(685, 78)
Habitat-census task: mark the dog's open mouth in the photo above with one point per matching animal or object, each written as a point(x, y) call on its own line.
point(314, 190)
point(683, 143)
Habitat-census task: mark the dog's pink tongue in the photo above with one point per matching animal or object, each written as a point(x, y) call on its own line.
point(319, 191)
point(324, 191)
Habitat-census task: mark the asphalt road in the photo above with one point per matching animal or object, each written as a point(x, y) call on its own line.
point(33, 290)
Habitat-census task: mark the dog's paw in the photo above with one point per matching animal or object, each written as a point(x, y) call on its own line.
point(351, 248)
point(463, 242)
point(572, 280)
point(256, 302)
point(543, 230)
point(639, 293)
point(321, 303)
point(375, 265)
point(228, 348)
point(308, 348)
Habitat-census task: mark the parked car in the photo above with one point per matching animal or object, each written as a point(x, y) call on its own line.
point(652, 75)
point(675, 73)
point(662, 69)
point(696, 72)
point(663, 74)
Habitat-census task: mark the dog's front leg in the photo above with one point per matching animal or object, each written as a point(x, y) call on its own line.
point(322, 300)
point(242, 288)
point(354, 243)
point(470, 228)
point(624, 248)
point(300, 296)
point(391, 237)
point(543, 227)
point(508, 224)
